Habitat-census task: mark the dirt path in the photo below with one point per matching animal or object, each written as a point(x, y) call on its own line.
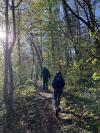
point(36, 114)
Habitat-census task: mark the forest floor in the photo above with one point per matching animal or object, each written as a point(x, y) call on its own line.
point(35, 113)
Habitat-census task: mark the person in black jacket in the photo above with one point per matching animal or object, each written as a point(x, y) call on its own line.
point(45, 74)
point(58, 83)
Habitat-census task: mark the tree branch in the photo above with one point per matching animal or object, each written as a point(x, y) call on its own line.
point(84, 11)
point(16, 5)
point(75, 43)
point(77, 16)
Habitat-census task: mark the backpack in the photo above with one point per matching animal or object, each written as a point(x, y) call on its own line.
point(58, 82)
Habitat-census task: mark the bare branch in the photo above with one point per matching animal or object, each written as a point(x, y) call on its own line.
point(77, 16)
point(15, 5)
point(84, 11)
point(18, 4)
point(75, 42)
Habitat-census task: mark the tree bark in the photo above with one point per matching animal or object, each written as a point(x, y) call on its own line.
point(37, 51)
point(8, 87)
point(51, 33)
point(8, 73)
point(19, 45)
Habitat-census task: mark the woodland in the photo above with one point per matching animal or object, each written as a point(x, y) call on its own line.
point(56, 34)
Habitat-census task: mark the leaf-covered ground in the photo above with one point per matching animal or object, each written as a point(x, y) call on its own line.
point(85, 118)
point(35, 113)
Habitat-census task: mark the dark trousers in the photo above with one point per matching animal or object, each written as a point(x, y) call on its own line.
point(45, 85)
point(57, 97)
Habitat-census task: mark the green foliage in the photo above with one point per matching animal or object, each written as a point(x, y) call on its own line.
point(96, 35)
point(96, 62)
point(96, 76)
point(26, 90)
point(29, 82)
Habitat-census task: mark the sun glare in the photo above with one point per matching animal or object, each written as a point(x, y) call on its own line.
point(2, 35)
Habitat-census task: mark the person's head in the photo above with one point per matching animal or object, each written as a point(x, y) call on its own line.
point(44, 67)
point(58, 72)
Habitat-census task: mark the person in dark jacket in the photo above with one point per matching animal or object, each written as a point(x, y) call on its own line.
point(45, 74)
point(58, 83)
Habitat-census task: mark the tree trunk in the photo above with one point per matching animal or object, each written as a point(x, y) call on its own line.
point(8, 72)
point(33, 45)
point(51, 33)
point(19, 46)
point(33, 59)
point(67, 20)
point(97, 49)
point(8, 87)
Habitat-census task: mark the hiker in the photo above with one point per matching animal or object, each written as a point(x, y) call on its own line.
point(58, 83)
point(45, 74)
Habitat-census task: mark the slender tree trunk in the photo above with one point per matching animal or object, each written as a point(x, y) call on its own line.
point(97, 43)
point(19, 46)
point(33, 59)
point(93, 25)
point(37, 51)
point(8, 87)
point(51, 33)
point(41, 49)
point(67, 20)
point(19, 58)
point(8, 73)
